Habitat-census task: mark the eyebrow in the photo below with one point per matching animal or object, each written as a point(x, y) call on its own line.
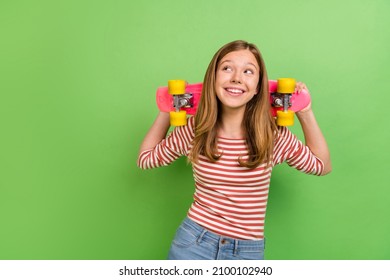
point(250, 63)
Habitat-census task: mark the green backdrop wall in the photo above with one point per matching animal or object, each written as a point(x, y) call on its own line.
point(77, 86)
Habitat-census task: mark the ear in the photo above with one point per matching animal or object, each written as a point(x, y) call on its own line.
point(257, 90)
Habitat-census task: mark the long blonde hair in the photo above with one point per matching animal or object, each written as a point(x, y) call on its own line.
point(258, 123)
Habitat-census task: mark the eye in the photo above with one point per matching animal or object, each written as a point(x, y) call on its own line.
point(226, 68)
point(249, 71)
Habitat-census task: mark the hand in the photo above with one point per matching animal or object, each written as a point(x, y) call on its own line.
point(299, 87)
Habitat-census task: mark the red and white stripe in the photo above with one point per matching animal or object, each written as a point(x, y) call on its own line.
point(229, 199)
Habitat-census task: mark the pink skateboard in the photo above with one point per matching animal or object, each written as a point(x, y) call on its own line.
point(165, 100)
point(180, 98)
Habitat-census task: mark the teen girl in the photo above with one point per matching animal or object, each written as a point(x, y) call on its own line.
point(233, 143)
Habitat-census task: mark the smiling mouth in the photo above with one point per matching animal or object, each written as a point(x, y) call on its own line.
point(234, 91)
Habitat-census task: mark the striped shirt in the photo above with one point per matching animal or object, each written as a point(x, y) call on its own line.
point(229, 199)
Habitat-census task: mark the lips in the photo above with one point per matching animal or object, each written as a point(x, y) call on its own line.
point(234, 91)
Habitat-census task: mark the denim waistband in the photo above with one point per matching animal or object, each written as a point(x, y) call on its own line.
point(207, 235)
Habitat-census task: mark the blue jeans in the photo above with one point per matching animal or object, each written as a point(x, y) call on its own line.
point(193, 242)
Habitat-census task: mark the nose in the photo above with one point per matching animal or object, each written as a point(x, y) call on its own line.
point(236, 78)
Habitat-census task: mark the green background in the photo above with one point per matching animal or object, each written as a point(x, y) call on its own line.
point(77, 85)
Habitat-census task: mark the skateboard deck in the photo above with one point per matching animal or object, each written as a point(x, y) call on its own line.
point(164, 100)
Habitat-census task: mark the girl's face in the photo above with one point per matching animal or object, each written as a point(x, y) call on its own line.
point(237, 78)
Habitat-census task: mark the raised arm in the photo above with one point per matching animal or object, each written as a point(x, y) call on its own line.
point(156, 133)
point(314, 138)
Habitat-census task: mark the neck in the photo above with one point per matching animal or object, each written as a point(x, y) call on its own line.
point(230, 125)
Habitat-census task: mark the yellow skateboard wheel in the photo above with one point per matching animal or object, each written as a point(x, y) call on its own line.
point(178, 118)
point(285, 118)
point(176, 87)
point(286, 85)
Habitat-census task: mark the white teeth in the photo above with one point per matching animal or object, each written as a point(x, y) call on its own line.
point(233, 90)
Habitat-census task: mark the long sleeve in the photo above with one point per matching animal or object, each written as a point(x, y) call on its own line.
point(296, 154)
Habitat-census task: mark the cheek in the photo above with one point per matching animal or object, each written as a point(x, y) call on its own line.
point(221, 78)
point(254, 85)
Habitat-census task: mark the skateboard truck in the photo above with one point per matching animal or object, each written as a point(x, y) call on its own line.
point(181, 99)
point(282, 99)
